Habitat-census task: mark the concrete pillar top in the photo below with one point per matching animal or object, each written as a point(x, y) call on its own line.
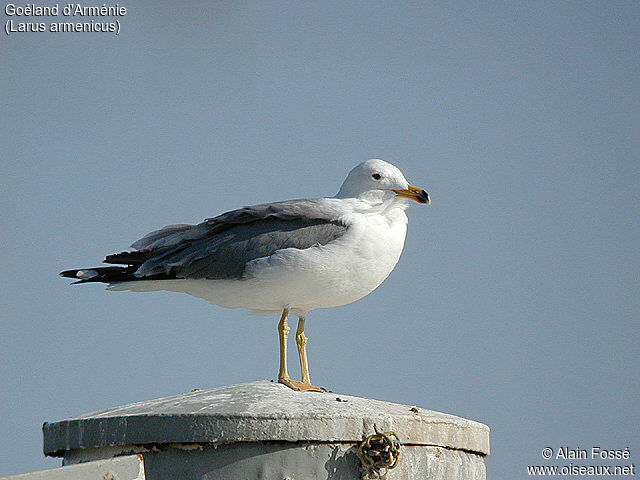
point(261, 411)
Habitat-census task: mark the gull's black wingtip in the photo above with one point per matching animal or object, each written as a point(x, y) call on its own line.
point(72, 274)
point(110, 274)
point(69, 273)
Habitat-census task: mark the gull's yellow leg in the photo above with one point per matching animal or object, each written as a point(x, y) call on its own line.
point(301, 341)
point(283, 335)
point(283, 375)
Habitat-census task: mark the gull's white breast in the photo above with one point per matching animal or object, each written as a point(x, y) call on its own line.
point(338, 273)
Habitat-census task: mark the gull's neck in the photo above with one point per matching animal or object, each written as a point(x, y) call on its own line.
point(375, 201)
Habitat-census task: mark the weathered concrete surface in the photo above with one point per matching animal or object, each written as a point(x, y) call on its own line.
point(312, 462)
point(130, 467)
point(293, 461)
point(261, 411)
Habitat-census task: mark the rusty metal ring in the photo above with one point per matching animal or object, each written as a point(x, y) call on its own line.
point(380, 450)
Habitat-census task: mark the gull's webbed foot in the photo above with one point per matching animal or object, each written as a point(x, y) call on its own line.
point(300, 386)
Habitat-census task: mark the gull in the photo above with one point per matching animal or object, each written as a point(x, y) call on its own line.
point(280, 258)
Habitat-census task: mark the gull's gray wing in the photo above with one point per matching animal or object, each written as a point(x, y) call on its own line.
point(221, 247)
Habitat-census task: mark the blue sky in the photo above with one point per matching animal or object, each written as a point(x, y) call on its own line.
point(516, 301)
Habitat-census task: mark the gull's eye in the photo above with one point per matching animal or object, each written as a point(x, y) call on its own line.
point(376, 176)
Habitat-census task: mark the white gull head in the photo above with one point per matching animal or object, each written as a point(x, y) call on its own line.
point(376, 181)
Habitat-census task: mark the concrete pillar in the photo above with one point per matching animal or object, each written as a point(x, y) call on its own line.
point(264, 430)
